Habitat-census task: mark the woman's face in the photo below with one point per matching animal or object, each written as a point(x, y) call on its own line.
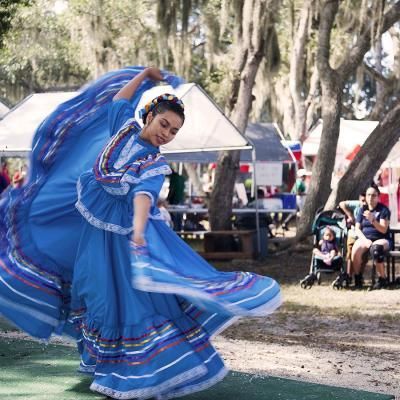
point(371, 197)
point(162, 128)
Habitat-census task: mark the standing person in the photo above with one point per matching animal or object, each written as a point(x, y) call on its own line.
point(299, 189)
point(372, 230)
point(142, 305)
point(176, 196)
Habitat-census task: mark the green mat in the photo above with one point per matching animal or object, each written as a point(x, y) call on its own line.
point(29, 370)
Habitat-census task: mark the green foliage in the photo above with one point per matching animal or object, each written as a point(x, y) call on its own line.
point(45, 48)
point(8, 8)
point(38, 54)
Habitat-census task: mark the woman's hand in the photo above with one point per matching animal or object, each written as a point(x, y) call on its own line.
point(154, 74)
point(139, 239)
point(369, 215)
point(130, 88)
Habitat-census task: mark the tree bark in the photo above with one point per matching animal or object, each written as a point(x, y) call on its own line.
point(194, 178)
point(332, 83)
point(296, 73)
point(250, 51)
point(369, 159)
point(331, 86)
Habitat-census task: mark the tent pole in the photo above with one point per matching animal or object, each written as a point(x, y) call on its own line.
point(253, 156)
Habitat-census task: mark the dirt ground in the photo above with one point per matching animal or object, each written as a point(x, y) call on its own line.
point(342, 338)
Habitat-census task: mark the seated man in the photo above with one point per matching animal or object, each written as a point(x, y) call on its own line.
point(372, 229)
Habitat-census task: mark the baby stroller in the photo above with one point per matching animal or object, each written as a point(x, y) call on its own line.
point(336, 221)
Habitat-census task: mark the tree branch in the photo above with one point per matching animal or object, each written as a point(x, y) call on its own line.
point(356, 53)
point(328, 12)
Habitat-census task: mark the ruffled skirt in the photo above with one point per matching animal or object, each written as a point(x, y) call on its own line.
point(143, 320)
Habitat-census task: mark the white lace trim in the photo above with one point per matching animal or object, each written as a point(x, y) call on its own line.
point(147, 194)
point(157, 216)
point(197, 387)
point(117, 191)
point(127, 152)
point(162, 170)
point(177, 380)
point(107, 226)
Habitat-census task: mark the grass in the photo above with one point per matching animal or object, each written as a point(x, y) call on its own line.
point(29, 370)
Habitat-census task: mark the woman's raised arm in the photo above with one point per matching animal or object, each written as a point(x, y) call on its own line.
point(130, 88)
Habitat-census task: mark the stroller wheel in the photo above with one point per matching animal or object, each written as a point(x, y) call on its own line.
point(319, 278)
point(337, 284)
point(305, 285)
point(307, 282)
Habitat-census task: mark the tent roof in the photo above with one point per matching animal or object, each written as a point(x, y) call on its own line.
point(19, 125)
point(265, 139)
point(352, 133)
point(393, 158)
point(206, 127)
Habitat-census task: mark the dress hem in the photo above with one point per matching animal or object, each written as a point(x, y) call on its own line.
point(145, 393)
point(196, 388)
point(147, 284)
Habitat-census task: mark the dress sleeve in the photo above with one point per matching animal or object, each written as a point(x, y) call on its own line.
point(120, 111)
point(150, 187)
point(147, 175)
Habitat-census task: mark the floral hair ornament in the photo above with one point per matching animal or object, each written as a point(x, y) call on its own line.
point(160, 99)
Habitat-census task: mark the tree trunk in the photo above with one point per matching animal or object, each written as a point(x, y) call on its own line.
point(332, 82)
point(381, 92)
point(331, 86)
point(296, 74)
point(369, 159)
point(320, 186)
point(250, 51)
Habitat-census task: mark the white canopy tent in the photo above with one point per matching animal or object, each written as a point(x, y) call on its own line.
point(19, 125)
point(206, 128)
point(352, 136)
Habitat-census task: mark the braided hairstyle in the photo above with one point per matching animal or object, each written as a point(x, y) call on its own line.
point(161, 104)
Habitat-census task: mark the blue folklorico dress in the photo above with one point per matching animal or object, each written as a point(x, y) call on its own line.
point(143, 318)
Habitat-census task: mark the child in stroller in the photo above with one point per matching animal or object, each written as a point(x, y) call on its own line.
point(329, 229)
point(327, 247)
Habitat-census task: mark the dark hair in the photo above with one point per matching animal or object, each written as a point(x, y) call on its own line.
point(164, 106)
point(375, 187)
point(260, 193)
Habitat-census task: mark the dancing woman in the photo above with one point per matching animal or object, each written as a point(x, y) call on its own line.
point(84, 251)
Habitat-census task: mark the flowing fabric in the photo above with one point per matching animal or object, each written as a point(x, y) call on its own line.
point(143, 317)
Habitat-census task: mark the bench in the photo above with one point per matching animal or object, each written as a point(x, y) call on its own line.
point(228, 245)
point(392, 255)
point(391, 264)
